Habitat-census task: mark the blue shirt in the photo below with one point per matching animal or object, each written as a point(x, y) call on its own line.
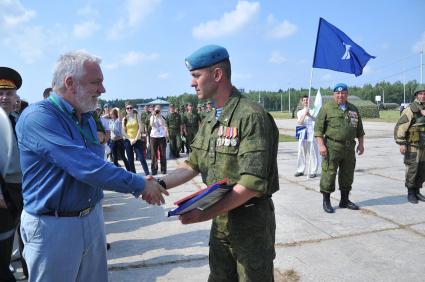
point(63, 168)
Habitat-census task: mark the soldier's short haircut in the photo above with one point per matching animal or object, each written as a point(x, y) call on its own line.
point(225, 66)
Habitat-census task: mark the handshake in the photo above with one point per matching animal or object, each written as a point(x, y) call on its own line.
point(153, 192)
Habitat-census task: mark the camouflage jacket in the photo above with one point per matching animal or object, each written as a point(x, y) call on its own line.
point(411, 125)
point(241, 145)
point(337, 124)
point(144, 117)
point(192, 121)
point(173, 122)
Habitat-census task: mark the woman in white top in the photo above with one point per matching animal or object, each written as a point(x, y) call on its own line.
point(158, 140)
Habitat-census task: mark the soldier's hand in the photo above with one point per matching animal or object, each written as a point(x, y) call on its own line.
point(153, 192)
point(403, 149)
point(192, 216)
point(360, 149)
point(323, 151)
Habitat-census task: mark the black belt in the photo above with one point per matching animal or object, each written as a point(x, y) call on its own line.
point(258, 200)
point(346, 143)
point(80, 213)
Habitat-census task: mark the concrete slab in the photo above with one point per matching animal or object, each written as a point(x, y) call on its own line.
point(380, 256)
point(373, 244)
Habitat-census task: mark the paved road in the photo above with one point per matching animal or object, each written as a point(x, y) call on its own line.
point(384, 241)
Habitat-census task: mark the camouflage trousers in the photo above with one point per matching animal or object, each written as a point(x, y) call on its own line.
point(414, 159)
point(189, 138)
point(342, 159)
point(242, 243)
point(173, 138)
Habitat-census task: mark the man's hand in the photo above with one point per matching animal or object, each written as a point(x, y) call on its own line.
point(153, 192)
point(193, 216)
point(360, 149)
point(323, 150)
point(403, 149)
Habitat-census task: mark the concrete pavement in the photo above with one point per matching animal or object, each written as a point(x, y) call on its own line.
point(384, 241)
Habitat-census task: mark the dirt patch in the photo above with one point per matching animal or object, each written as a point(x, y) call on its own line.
point(289, 275)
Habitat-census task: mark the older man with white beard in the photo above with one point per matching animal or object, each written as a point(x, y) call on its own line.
point(64, 175)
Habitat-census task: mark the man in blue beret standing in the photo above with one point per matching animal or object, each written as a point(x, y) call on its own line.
point(238, 141)
point(337, 126)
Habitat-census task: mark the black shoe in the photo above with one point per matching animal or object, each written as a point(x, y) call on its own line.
point(164, 172)
point(411, 196)
point(312, 175)
point(298, 174)
point(108, 246)
point(419, 196)
point(345, 202)
point(327, 207)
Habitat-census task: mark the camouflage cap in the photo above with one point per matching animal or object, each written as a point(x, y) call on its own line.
point(419, 88)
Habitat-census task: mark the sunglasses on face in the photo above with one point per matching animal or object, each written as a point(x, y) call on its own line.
point(129, 108)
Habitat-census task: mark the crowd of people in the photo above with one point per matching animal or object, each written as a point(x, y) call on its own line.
point(58, 153)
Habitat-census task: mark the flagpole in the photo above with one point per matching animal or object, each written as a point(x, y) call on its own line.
point(422, 65)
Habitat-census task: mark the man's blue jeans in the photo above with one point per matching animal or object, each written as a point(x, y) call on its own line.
point(65, 248)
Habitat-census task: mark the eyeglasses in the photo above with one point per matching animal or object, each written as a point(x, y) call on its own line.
point(129, 108)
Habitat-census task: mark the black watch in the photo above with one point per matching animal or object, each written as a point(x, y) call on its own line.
point(162, 183)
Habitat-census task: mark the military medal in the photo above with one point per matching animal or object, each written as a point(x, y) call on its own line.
point(228, 134)
point(220, 134)
point(234, 140)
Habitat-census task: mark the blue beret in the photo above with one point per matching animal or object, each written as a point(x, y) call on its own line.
point(340, 87)
point(206, 56)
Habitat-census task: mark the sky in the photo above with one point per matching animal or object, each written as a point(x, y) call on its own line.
point(143, 43)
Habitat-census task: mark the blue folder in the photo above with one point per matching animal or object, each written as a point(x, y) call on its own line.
point(202, 199)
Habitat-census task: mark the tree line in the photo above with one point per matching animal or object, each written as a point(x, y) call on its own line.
point(289, 98)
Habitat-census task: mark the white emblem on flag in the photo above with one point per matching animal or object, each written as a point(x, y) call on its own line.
point(347, 52)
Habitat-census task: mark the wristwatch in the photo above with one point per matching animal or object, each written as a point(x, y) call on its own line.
point(162, 183)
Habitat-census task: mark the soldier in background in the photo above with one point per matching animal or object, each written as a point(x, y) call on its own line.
point(192, 122)
point(184, 132)
point(175, 129)
point(144, 118)
point(11, 202)
point(337, 126)
point(409, 133)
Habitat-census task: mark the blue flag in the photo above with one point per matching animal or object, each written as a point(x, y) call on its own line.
point(336, 51)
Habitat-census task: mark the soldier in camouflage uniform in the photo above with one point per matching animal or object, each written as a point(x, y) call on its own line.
point(337, 125)
point(174, 126)
point(409, 133)
point(192, 122)
point(240, 144)
point(144, 118)
point(184, 133)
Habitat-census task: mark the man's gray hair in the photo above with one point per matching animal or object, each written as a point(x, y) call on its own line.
point(71, 64)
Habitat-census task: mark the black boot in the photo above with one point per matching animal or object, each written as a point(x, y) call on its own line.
point(419, 195)
point(345, 201)
point(327, 207)
point(411, 196)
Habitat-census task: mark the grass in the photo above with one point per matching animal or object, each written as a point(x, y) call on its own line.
point(281, 115)
point(286, 138)
point(386, 116)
